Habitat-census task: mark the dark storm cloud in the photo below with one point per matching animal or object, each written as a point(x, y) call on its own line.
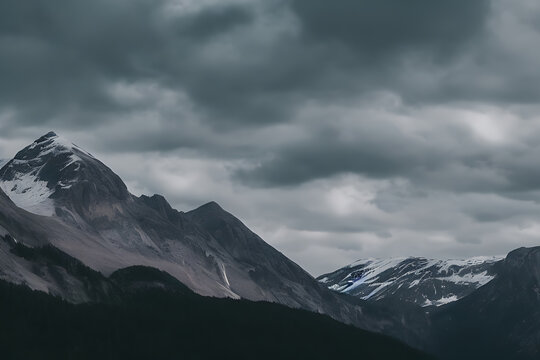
point(57, 59)
point(374, 148)
point(376, 28)
point(381, 151)
point(213, 21)
point(250, 64)
point(442, 156)
point(342, 48)
point(64, 55)
point(428, 51)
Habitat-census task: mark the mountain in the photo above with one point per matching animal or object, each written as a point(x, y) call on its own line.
point(78, 195)
point(494, 307)
point(418, 280)
point(500, 320)
point(146, 322)
point(63, 213)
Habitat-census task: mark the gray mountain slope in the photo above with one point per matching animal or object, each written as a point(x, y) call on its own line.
point(50, 270)
point(76, 204)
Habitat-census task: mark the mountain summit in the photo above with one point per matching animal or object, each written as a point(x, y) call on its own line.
point(54, 168)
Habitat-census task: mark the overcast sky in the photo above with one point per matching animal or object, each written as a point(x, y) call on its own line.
point(336, 130)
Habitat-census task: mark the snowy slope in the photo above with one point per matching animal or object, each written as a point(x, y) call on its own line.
point(30, 194)
point(419, 280)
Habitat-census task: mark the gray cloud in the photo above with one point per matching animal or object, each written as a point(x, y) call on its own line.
point(253, 63)
point(348, 128)
point(212, 22)
point(380, 28)
point(65, 60)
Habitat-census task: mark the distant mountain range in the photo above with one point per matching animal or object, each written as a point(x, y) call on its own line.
point(418, 280)
point(70, 228)
point(478, 308)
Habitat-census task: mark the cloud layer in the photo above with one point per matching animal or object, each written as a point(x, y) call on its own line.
point(337, 130)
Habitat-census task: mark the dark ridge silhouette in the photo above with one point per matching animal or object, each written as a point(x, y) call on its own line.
point(156, 324)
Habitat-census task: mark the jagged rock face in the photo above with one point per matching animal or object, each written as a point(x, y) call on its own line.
point(421, 281)
point(160, 204)
point(52, 172)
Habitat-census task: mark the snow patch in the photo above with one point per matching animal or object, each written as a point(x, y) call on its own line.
point(224, 274)
point(469, 278)
point(379, 288)
point(441, 301)
point(445, 265)
point(30, 194)
point(373, 268)
point(337, 287)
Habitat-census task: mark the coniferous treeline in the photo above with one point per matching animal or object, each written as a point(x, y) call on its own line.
point(157, 324)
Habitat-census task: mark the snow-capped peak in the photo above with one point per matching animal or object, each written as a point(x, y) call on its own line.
point(36, 172)
point(55, 168)
point(52, 143)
